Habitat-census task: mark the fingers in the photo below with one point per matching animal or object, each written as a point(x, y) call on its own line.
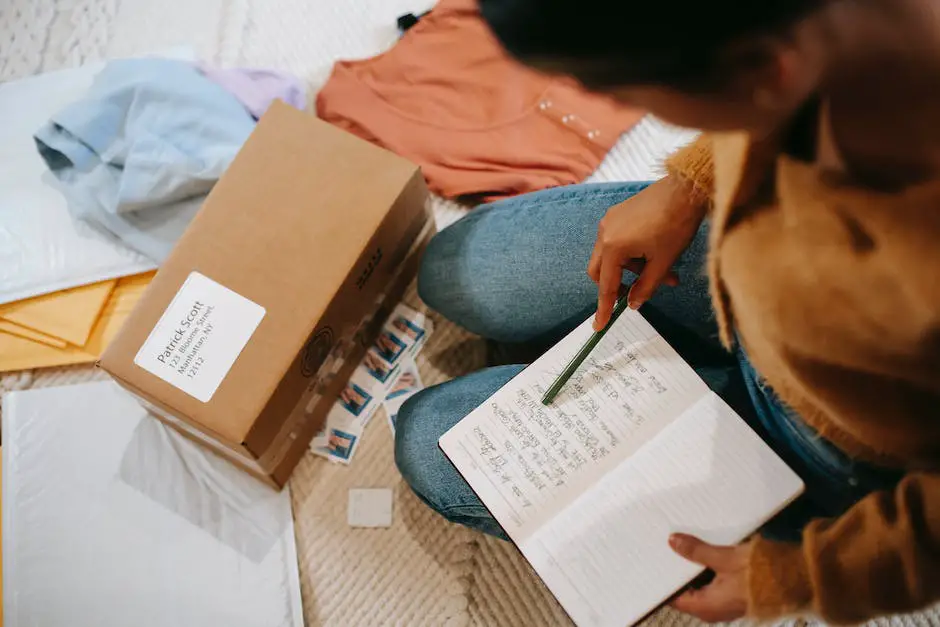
point(607, 272)
point(611, 274)
point(711, 604)
point(594, 265)
point(654, 273)
point(724, 599)
point(636, 266)
point(718, 558)
point(693, 602)
point(605, 268)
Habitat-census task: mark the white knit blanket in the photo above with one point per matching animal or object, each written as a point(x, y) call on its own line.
point(422, 571)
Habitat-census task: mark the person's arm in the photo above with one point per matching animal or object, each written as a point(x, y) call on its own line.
point(647, 232)
point(880, 557)
point(694, 164)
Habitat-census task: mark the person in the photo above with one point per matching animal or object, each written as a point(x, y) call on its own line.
point(812, 203)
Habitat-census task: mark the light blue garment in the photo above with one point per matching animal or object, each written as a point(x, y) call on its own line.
point(137, 155)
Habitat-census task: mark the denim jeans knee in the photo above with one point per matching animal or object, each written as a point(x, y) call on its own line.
point(421, 421)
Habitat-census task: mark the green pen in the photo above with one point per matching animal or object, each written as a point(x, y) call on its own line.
point(578, 359)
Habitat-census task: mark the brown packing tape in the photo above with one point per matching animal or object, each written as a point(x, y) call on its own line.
point(69, 315)
point(17, 353)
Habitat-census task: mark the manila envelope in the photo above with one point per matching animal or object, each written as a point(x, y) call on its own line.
point(69, 315)
point(15, 329)
point(17, 353)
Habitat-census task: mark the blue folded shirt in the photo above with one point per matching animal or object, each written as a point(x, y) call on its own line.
point(137, 155)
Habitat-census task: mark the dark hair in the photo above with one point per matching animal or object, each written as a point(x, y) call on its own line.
point(608, 43)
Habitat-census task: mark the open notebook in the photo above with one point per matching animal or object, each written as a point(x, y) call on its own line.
point(634, 448)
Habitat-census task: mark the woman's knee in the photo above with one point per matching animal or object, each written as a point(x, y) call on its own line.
point(429, 474)
point(461, 278)
point(439, 271)
point(415, 452)
point(502, 271)
point(421, 422)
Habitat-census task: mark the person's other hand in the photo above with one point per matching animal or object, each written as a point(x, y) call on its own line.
point(644, 234)
point(724, 598)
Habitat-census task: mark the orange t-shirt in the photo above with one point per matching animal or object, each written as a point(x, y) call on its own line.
point(477, 122)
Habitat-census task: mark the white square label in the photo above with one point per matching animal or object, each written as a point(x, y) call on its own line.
point(369, 507)
point(199, 336)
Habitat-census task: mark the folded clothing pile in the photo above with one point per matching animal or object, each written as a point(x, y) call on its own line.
point(480, 124)
point(138, 154)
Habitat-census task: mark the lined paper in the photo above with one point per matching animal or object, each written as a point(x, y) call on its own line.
point(635, 447)
point(532, 461)
point(606, 557)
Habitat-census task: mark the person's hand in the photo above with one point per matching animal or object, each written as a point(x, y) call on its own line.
point(724, 598)
point(644, 234)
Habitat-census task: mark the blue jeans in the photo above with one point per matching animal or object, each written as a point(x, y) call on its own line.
point(514, 272)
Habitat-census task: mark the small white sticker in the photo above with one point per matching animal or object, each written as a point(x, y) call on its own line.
point(369, 507)
point(199, 336)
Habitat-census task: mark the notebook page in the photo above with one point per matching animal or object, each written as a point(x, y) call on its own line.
point(606, 557)
point(528, 462)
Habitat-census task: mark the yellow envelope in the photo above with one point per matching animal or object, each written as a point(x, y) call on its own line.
point(69, 315)
point(29, 334)
point(17, 353)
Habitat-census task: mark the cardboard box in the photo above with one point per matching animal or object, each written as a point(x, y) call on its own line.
point(251, 327)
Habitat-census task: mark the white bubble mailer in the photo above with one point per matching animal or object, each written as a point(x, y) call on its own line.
point(111, 519)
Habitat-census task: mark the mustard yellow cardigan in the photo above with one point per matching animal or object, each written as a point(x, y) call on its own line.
point(834, 291)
